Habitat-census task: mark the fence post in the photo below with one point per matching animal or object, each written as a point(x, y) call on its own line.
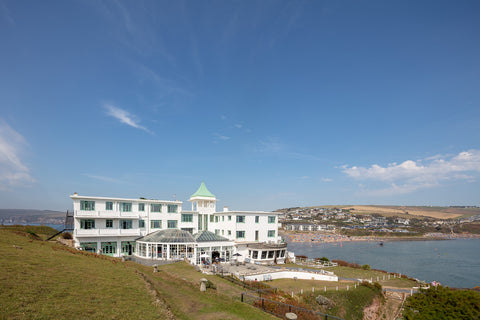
point(242, 297)
point(325, 288)
point(313, 289)
point(263, 305)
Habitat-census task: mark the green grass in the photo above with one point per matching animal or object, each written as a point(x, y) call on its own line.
point(349, 305)
point(47, 280)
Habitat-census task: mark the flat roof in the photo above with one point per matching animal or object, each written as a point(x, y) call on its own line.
point(126, 199)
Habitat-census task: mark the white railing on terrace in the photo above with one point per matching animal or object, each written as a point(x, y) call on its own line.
point(106, 214)
point(107, 232)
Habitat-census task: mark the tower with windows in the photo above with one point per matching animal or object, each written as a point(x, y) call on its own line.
point(203, 202)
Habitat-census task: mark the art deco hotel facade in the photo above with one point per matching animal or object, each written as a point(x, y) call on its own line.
point(159, 229)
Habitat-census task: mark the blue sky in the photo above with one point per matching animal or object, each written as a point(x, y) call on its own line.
point(272, 103)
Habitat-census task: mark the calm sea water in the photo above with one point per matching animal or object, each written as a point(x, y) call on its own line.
point(455, 263)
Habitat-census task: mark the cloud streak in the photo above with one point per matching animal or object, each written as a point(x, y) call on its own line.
point(13, 171)
point(410, 175)
point(124, 117)
point(102, 178)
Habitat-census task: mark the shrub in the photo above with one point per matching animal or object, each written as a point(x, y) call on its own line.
point(67, 236)
point(366, 267)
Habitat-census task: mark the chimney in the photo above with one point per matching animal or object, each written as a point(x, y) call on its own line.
point(75, 194)
point(225, 209)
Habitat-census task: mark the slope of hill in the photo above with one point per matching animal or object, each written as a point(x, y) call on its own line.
point(47, 280)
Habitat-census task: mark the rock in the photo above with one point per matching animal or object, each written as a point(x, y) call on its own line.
point(203, 284)
point(323, 301)
point(290, 316)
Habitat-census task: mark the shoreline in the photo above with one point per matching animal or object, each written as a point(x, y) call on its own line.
point(317, 237)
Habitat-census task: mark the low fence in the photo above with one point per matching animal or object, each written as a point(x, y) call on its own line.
point(256, 297)
point(280, 309)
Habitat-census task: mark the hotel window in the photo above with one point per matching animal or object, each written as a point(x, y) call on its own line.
point(229, 218)
point(87, 205)
point(271, 219)
point(257, 219)
point(172, 224)
point(141, 207)
point(126, 207)
point(264, 254)
point(109, 205)
point(156, 208)
point(223, 218)
point(109, 247)
point(87, 224)
point(217, 232)
point(126, 224)
point(188, 229)
point(229, 232)
point(255, 255)
point(187, 217)
point(109, 224)
point(216, 219)
point(240, 219)
point(172, 208)
point(212, 218)
point(271, 233)
point(141, 223)
point(240, 234)
point(156, 224)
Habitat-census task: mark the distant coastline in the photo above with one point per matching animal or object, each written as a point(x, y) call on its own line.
point(325, 237)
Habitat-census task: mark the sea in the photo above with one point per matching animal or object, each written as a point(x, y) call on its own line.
point(453, 263)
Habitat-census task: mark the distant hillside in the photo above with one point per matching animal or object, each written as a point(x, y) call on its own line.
point(404, 211)
point(25, 216)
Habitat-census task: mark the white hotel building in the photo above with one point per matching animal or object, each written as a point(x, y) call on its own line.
point(159, 229)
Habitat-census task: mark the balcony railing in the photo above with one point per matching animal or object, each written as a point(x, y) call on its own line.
point(107, 232)
point(106, 214)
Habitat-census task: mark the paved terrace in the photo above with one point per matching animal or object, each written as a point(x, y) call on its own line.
point(265, 272)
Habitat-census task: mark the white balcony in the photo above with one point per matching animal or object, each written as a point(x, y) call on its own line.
point(107, 232)
point(106, 214)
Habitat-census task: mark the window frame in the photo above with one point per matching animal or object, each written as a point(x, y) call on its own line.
point(240, 234)
point(155, 206)
point(125, 207)
point(87, 205)
point(153, 222)
point(240, 219)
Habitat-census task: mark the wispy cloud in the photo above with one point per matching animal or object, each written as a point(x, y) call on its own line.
point(220, 137)
point(13, 171)
point(5, 14)
point(124, 117)
point(102, 178)
point(326, 179)
point(410, 175)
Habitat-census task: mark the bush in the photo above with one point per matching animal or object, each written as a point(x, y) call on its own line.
point(443, 303)
point(67, 236)
point(366, 267)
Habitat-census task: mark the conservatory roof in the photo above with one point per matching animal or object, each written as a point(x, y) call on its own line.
point(207, 236)
point(168, 236)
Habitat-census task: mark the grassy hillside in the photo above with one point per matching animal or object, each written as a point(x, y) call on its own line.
point(46, 280)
